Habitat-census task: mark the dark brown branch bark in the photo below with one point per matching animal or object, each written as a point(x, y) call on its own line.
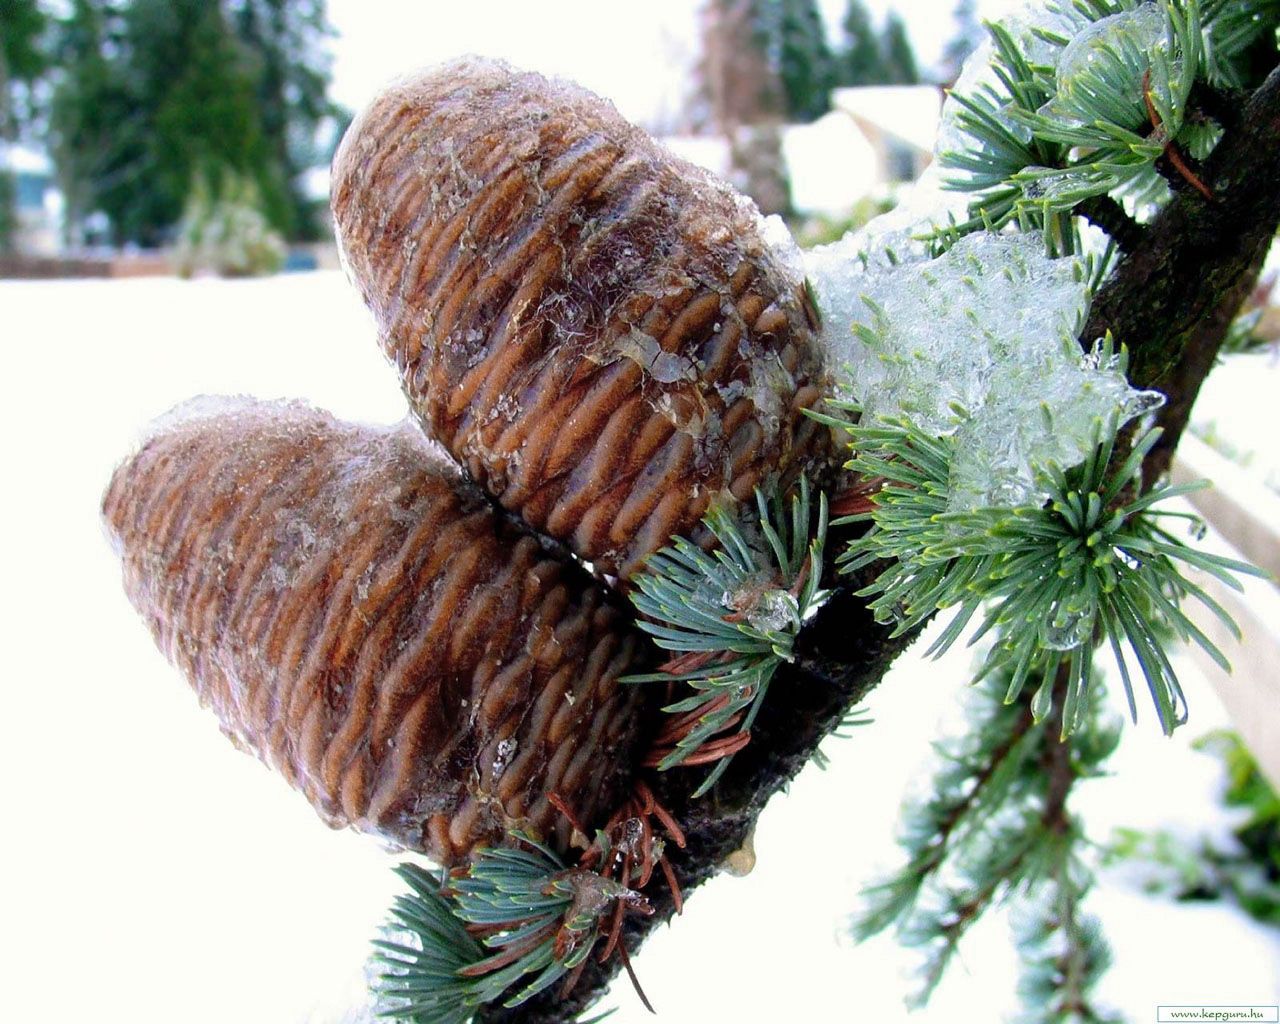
point(1056, 759)
point(1170, 300)
point(1105, 213)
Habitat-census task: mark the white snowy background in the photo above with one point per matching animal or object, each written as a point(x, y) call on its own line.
point(152, 873)
point(638, 56)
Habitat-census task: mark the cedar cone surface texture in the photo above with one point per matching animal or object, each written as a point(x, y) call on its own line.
point(595, 329)
point(367, 624)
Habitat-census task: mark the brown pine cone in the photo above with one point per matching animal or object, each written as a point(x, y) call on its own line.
point(365, 622)
point(596, 329)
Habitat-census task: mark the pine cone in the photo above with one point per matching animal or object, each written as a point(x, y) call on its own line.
point(364, 621)
point(596, 329)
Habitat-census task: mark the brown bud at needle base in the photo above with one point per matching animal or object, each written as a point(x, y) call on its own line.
point(361, 619)
point(597, 330)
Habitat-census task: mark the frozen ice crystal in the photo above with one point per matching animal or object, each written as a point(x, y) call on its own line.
point(772, 613)
point(976, 77)
point(979, 343)
point(941, 324)
point(1106, 42)
point(505, 753)
point(777, 236)
point(747, 592)
point(664, 367)
point(765, 607)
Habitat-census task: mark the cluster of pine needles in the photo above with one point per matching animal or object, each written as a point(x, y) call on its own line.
point(517, 919)
point(1097, 561)
point(730, 616)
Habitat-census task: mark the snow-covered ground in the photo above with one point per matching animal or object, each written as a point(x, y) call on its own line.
point(154, 874)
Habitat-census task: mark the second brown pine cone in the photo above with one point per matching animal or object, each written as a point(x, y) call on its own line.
point(594, 328)
point(361, 619)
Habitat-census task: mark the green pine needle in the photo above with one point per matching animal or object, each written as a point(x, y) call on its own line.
point(1037, 143)
point(853, 718)
point(1232, 29)
point(1092, 563)
point(516, 916)
point(418, 960)
point(1063, 951)
point(733, 613)
point(994, 826)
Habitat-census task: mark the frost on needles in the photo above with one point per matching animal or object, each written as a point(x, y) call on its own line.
point(979, 345)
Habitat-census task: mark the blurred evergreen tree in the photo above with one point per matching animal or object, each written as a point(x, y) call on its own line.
point(794, 39)
point(288, 41)
point(806, 66)
point(154, 95)
point(89, 101)
point(22, 62)
point(899, 57)
point(862, 61)
point(968, 36)
point(198, 112)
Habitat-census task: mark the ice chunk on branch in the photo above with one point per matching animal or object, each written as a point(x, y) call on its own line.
point(979, 344)
point(1114, 52)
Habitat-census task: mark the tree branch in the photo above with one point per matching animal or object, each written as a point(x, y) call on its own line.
point(1105, 213)
point(841, 656)
point(1173, 297)
point(1171, 300)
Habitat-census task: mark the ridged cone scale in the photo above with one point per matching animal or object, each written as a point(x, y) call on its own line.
point(595, 329)
point(361, 618)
